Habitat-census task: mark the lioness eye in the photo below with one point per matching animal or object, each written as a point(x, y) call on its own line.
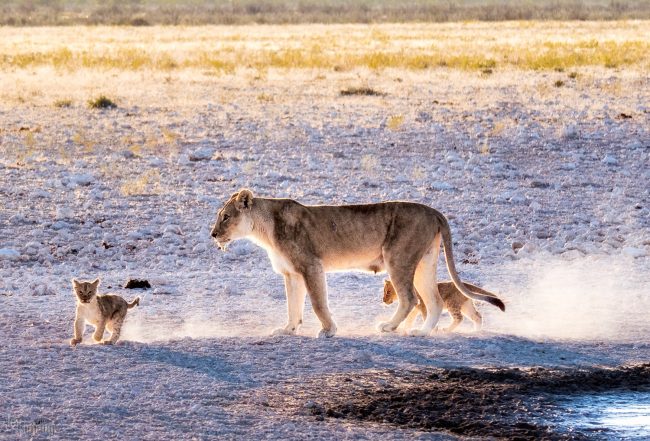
point(225, 217)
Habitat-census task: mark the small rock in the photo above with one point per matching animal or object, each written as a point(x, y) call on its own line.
point(516, 246)
point(200, 248)
point(42, 289)
point(539, 184)
point(40, 193)
point(202, 154)
point(9, 254)
point(610, 160)
point(63, 213)
point(82, 180)
point(634, 252)
point(162, 291)
point(442, 186)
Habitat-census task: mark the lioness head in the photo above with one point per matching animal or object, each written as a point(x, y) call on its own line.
point(234, 219)
point(389, 292)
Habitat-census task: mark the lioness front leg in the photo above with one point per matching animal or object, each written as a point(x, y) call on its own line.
point(296, 292)
point(314, 278)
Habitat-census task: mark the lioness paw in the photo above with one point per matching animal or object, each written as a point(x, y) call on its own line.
point(75, 341)
point(386, 327)
point(419, 332)
point(284, 331)
point(327, 333)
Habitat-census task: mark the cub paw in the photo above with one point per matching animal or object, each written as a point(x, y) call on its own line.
point(327, 333)
point(284, 331)
point(386, 327)
point(107, 342)
point(419, 332)
point(75, 341)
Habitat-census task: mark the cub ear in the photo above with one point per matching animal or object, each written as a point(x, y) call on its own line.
point(75, 282)
point(95, 283)
point(244, 199)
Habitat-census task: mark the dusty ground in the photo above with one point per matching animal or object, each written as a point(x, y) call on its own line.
point(131, 192)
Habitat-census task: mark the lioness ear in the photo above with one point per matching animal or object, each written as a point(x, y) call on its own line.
point(244, 199)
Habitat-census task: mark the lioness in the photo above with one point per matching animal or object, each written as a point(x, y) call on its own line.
point(453, 301)
point(304, 242)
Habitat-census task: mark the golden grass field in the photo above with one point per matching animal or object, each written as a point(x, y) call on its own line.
point(223, 49)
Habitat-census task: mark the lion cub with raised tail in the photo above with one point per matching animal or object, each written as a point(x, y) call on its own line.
point(103, 312)
point(453, 301)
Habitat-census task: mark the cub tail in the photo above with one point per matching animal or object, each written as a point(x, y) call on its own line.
point(135, 302)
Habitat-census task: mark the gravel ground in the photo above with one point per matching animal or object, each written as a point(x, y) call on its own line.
point(545, 188)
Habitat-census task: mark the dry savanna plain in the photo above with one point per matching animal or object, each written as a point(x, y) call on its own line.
point(118, 145)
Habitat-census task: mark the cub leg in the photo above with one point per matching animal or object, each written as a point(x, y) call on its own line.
point(79, 325)
point(296, 291)
point(469, 310)
point(115, 326)
point(314, 278)
point(457, 319)
point(402, 279)
point(427, 285)
point(99, 331)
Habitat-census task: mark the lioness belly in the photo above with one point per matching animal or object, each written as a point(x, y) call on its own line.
point(370, 262)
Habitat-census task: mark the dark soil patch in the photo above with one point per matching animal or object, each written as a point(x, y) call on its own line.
point(504, 403)
point(137, 284)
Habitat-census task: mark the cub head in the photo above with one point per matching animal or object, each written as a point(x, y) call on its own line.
point(389, 292)
point(85, 291)
point(234, 219)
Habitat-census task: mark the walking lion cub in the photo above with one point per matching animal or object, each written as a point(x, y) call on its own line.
point(453, 301)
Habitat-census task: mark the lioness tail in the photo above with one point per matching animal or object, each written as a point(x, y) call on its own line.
point(135, 302)
point(451, 267)
point(491, 298)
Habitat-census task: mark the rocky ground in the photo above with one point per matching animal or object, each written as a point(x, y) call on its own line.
point(545, 187)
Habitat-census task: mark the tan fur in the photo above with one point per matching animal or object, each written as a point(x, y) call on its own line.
point(453, 301)
point(305, 242)
point(102, 312)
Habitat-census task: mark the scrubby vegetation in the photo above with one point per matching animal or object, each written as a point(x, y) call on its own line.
point(101, 102)
point(193, 12)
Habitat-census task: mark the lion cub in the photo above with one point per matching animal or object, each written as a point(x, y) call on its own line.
point(453, 301)
point(100, 311)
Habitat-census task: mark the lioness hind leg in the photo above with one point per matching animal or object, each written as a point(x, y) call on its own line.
point(316, 286)
point(427, 285)
point(402, 279)
point(296, 291)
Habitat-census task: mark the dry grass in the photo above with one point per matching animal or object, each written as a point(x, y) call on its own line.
point(466, 46)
